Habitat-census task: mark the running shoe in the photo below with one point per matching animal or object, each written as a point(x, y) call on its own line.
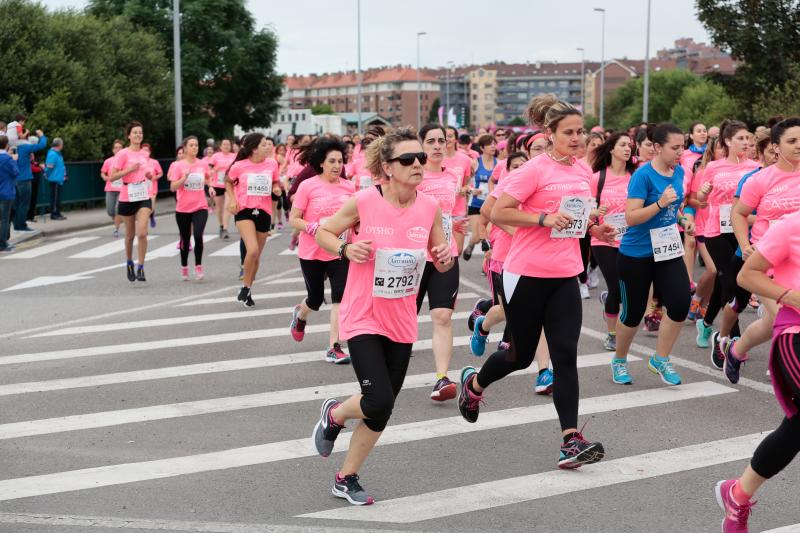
point(619, 372)
point(593, 278)
point(221, 232)
point(467, 254)
point(198, 272)
point(152, 220)
point(694, 311)
point(603, 297)
point(351, 490)
point(754, 303)
point(444, 390)
point(665, 370)
point(8, 249)
point(584, 291)
point(185, 273)
point(736, 514)
point(692, 288)
point(241, 272)
point(140, 274)
point(703, 334)
point(477, 344)
point(336, 355)
point(131, 272)
point(294, 241)
point(733, 365)
point(244, 295)
point(717, 356)
point(298, 325)
point(610, 342)
point(279, 225)
point(116, 234)
point(225, 235)
point(652, 322)
point(578, 451)
point(476, 312)
point(469, 403)
point(544, 382)
point(326, 430)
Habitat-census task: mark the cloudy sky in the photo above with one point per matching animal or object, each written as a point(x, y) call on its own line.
point(320, 36)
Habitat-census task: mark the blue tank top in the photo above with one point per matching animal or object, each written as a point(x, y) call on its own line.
point(481, 181)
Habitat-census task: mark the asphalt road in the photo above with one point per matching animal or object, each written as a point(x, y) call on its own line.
point(166, 406)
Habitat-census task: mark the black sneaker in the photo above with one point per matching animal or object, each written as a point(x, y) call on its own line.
point(467, 252)
point(131, 273)
point(351, 490)
point(717, 355)
point(245, 297)
point(140, 274)
point(732, 365)
point(578, 451)
point(326, 430)
point(468, 402)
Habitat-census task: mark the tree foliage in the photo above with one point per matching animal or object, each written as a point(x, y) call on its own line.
point(705, 102)
point(433, 112)
point(322, 109)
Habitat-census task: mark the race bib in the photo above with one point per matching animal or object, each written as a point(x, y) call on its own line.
point(617, 221)
point(666, 243)
point(725, 225)
point(221, 177)
point(364, 182)
point(117, 184)
point(483, 189)
point(194, 182)
point(447, 226)
point(258, 185)
point(578, 208)
point(398, 272)
point(138, 192)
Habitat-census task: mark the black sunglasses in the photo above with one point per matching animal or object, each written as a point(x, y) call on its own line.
point(408, 159)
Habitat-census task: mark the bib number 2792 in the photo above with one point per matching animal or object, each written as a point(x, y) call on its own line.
point(398, 272)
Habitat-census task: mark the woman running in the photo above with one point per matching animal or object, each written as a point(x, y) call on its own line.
point(778, 251)
point(112, 188)
point(155, 167)
point(188, 181)
point(219, 164)
point(462, 166)
point(613, 167)
point(548, 201)
point(480, 189)
point(132, 165)
point(250, 181)
point(396, 226)
point(651, 253)
point(316, 200)
point(696, 145)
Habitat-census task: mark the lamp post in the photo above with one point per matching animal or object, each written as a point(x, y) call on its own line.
point(583, 78)
point(419, 81)
point(602, 11)
point(447, 93)
point(358, 73)
point(176, 67)
point(646, 96)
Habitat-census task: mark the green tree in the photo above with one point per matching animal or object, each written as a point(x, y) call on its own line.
point(517, 121)
point(322, 109)
point(228, 67)
point(705, 102)
point(433, 112)
point(781, 100)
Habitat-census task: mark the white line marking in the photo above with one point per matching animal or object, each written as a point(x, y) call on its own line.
point(232, 250)
point(49, 248)
point(192, 370)
point(113, 247)
point(502, 492)
point(171, 250)
point(119, 474)
point(299, 279)
point(794, 528)
point(289, 252)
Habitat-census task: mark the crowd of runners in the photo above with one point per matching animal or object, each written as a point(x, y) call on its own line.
point(693, 225)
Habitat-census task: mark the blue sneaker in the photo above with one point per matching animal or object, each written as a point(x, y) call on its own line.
point(664, 368)
point(703, 334)
point(477, 344)
point(732, 365)
point(619, 372)
point(544, 382)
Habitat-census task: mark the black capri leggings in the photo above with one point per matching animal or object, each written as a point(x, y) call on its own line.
point(781, 446)
point(188, 224)
point(314, 273)
point(535, 303)
point(607, 260)
point(669, 279)
point(380, 365)
point(721, 248)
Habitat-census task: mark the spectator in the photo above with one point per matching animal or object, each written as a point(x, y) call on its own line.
point(56, 174)
point(3, 129)
point(8, 177)
point(37, 169)
point(23, 200)
point(16, 131)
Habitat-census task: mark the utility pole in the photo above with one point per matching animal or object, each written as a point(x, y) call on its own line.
point(358, 74)
point(176, 48)
point(646, 96)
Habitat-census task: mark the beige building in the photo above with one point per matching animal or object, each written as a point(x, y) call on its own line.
point(483, 97)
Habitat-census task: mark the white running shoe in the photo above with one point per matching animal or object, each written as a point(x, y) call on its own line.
point(585, 291)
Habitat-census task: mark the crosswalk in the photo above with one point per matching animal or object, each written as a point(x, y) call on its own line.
point(79, 361)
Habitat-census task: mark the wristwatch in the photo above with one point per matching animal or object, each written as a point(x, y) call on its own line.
point(342, 250)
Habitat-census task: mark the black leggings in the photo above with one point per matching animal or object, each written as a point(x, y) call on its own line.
point(721, 249)
point(781, 446)
point(669, 279)
point(607, 260)
point(380, 365)
point(188, 224)
point(555, 305)
point(739, 297)
point(587, 256)
point(314, 274)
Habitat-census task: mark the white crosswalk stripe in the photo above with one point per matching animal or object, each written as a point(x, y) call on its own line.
point(54, 246)
point(172, 250)
point(117, 246)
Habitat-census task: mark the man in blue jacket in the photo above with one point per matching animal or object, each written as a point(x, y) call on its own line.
point(56, 174)
point(25, 180)
point(8, 179)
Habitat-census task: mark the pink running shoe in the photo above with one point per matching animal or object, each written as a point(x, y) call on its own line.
point(185, 273)
point(298, 326)
point(198, 272)
point(736, 515)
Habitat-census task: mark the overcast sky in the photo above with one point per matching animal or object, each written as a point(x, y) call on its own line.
point(320, 35)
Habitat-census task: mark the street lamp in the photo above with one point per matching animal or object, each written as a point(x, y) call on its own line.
point(358, 73)
point(419, 81)
point(583, 78)
point(176, 67)
point(447, 93)
point(602, 65)
point(646, 96)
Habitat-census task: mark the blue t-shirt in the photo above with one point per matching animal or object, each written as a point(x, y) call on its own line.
point(648, 185)
point(737, 194)
point(482, 176)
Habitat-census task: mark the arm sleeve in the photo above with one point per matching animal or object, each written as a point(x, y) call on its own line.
point(521, 183)
point(637, 188)
point(752, 191)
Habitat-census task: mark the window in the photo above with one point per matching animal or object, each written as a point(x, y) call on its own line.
point(303, 117)
point(474, 108)
point(474, 96)
point(487, 97)
point(487, 85)
point(551, 84)
point(475, 86)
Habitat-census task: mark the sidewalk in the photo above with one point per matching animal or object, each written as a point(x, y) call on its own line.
point(78, 220)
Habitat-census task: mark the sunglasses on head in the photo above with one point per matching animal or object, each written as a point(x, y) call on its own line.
point(408, 159)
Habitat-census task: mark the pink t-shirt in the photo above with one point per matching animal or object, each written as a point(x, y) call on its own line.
point(192, 196)
point(539, 185)
point(219, 164)
point(111, 186)
point(773, 193)
point(614, 195)
point(155, 168)
point(459, 164)
point(318, 200)
point(501, 241)
point(442, 187)
point(357, 170)
point(252, 183)
point(780, 245)
point(687, 161)
point(701, 215)
point(725, 177)
point(472, 154)
point(125, 158)
point(500, 170)
point(388, 227)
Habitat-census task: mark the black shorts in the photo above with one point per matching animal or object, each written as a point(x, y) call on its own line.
point(473, 211)
point(275, 198)
point(128, 209)
point(219, 191)
point(496, 282)
point(262, 220)
point(441, 287)
point(314, 274)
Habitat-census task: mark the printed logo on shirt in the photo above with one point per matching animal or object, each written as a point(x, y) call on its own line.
point(417, 234)
point(366, 383)
point(403, 260)
point(378, 230)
